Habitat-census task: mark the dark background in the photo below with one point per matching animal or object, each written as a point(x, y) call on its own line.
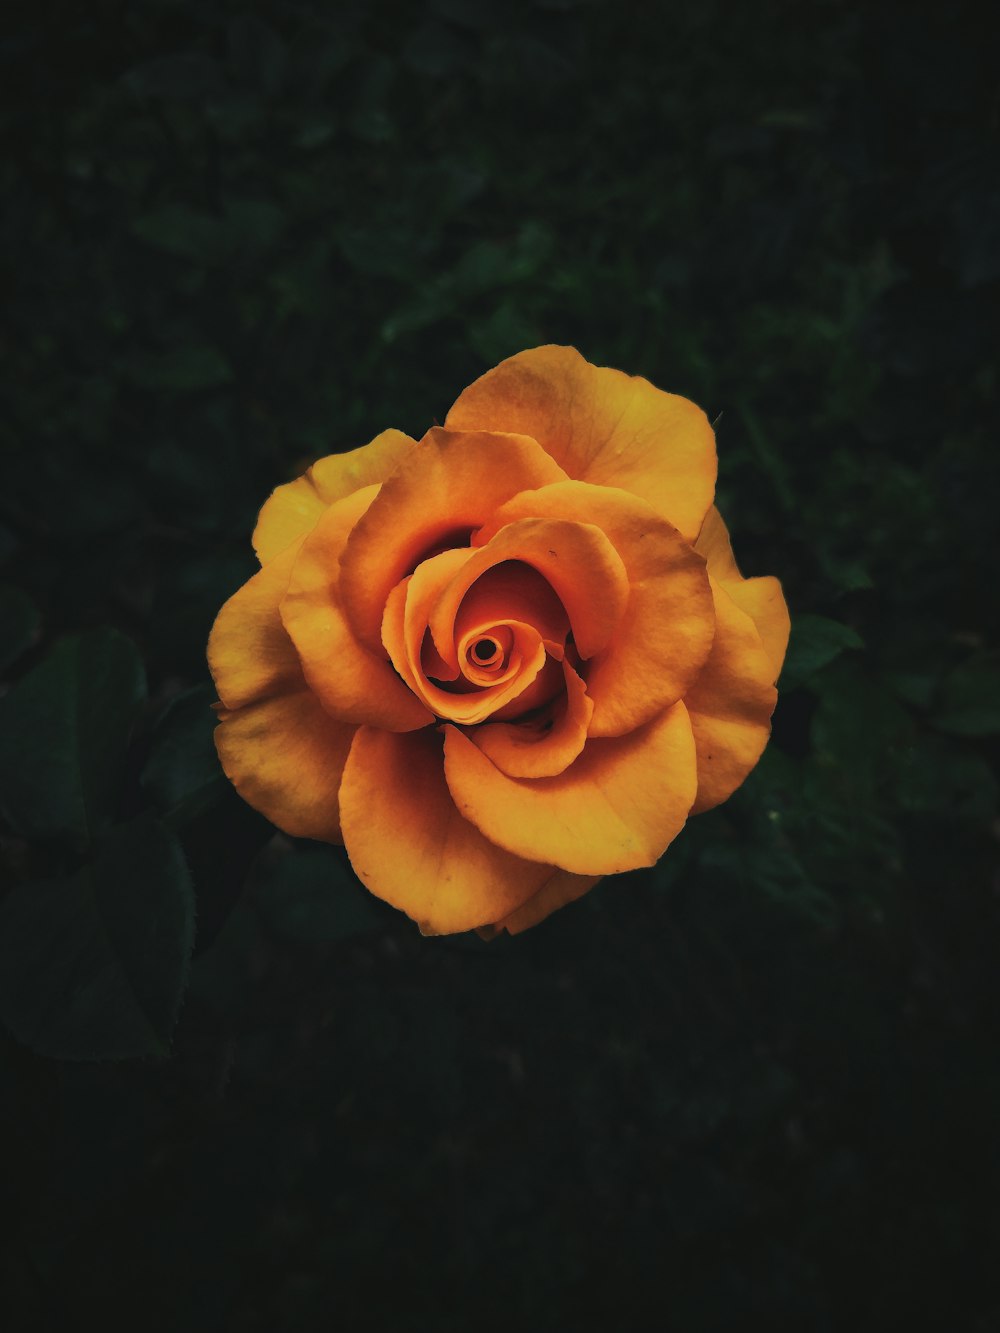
point(757, 1085)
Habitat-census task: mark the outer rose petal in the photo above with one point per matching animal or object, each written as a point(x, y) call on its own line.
point(601, 425)
point(617, 807)
point(562, 889)
point(760, 598)
point(353, 684)
point(449, 484)
point(249, 652)
point(285, 757)
point(294, 509)
point(731, 704)
point(663, 638)
point(409, 844)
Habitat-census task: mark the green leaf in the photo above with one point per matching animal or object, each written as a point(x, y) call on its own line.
point(309, 896)
point(92, 967)
point(182, 773)
point(815, 642)
point(8, 543)
point(181, 231)
point(187, 76)
point(256, 54)
point(64, 728)
point(971, 703)
point(19, 621)
point(938, 776)
point(769, 458)
point(858, 731)
point(198, 366)
point(244, 228)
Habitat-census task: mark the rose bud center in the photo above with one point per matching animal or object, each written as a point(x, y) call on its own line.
point(485, 653)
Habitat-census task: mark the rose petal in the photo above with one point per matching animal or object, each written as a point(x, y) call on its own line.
point(449, 484)
point(761, 598)
point(293, 509)
point(575, 559)
point(508, 591)
point(562, 889)
point(250, 654)
point(543, 747)
point(285, 757)
point(618, 806)
point(409, 844)
point(602, 426)
point(353, 684)
point(543, 690)
point(404, 633)
point(666, 631)
point(730, 704)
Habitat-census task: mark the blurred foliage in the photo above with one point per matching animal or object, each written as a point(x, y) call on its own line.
point(757, 1084)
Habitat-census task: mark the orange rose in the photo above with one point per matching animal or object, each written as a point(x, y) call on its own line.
point(505, 661)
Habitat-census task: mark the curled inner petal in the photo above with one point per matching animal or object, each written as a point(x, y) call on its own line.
point(506, 593)
point(468, 474)
point(486, 655)
point(471, 694)
point(543, 743)
point(581, 567)
point(665, 633)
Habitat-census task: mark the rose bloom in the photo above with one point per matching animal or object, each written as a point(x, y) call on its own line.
point(504, 661)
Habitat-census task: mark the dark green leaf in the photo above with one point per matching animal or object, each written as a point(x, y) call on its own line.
point(256, 54)
point(92, 967)
point(310, 896)
point(198, 366)
point(19, 620)
point(182, 773)
point(187, 600)
point(187, 76)
point(8, 543)
point(938, 777)
point(971, 705)
point(181, 231)
point(858, 731)
point(64, 728)
point(769, 458)
point(815, 642)
point(244, 226)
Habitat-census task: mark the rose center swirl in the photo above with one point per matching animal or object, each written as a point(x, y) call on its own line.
point(487, 653)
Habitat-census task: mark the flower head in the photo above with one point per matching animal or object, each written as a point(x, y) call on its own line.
point(507, 660)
